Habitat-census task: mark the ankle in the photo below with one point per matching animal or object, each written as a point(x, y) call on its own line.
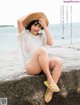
point(51, 81)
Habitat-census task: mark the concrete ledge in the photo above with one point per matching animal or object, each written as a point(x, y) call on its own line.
point(30, 90)
point(22, 89)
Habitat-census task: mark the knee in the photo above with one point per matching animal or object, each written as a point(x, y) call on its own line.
point(59, 62)
point(42, 50)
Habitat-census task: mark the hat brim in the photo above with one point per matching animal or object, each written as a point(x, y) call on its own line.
point(35, 16)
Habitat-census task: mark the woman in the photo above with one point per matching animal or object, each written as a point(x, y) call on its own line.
point(33, 42)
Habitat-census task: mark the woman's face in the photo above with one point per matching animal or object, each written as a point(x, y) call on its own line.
point(35, 28)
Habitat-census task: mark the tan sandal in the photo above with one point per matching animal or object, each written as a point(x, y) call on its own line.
point(47, 98)
point(52, 87)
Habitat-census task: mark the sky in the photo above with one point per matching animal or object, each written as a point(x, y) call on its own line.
point(11, 10)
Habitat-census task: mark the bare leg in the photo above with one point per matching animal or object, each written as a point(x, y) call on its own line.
point(43, 60)
point(55, 65)
point(39, 62)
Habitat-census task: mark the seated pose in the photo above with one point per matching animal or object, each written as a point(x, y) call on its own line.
point(33, 41)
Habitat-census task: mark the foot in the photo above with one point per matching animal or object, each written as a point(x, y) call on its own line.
point(48, 95)
point(52, 87)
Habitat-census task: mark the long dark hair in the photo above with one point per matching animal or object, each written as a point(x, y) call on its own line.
point(31, 23)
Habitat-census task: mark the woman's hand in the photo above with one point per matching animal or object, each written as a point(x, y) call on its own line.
point(42, 22)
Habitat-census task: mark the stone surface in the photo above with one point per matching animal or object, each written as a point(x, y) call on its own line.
point(22, 89)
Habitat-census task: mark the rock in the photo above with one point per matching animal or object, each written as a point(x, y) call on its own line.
point(23, 89)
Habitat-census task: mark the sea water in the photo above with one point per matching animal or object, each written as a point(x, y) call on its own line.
point(70, 34)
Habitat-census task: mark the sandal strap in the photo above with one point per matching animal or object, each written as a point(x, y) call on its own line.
point(52, 87)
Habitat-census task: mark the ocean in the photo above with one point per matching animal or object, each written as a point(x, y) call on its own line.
point(61, 35)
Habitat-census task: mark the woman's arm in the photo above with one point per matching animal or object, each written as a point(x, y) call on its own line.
point(48, 35)
point(20, 23)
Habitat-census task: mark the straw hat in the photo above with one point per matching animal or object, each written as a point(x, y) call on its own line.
point(35, 16)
